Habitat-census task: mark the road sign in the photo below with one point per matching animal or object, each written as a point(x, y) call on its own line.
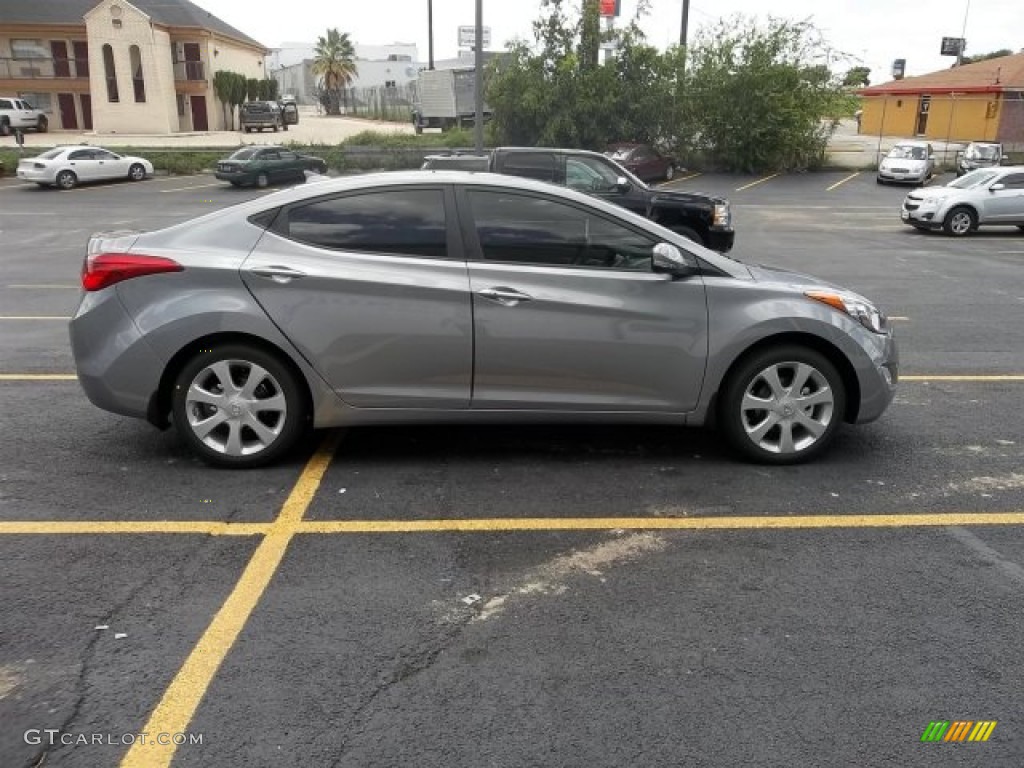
point(899, 67)
point(611, 7)
point(952, 46)
point(467, 37)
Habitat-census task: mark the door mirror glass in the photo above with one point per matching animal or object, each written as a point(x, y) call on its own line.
point(622, 184)
point(668, 259)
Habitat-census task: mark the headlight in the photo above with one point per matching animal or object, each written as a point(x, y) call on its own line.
point(723, 215)
point(932, 202)
point(857, 307)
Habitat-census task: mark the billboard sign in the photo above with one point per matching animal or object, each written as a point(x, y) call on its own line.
point(467, 37)
point(899, 68)
point(952, 46)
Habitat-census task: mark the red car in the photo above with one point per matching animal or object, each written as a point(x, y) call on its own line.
point(644, 161)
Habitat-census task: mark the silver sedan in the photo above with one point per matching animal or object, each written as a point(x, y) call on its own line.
point(67, 167)
point(463, 298)
point(985, 197)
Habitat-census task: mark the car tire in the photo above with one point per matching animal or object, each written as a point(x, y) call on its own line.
point(256, 425)
point(689, 234)
point(67, 180)
point(670, 172)
point(137, 172)
point(960, 221)
point(262, 181)
point(42, 124)
point(878, 180)
point(5, 127)
point(236, 183)
point(782, 431)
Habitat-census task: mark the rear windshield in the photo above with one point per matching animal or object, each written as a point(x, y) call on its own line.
point(244, 154)
point(51, 154)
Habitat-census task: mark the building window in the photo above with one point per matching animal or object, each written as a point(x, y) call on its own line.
point(29, 49)
point(110, 73)
point(138, 81)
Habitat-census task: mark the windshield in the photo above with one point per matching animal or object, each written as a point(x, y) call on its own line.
point(622, 153)
point(907, 152)
point(972, 179)
point(243, 154)
point(982, 152)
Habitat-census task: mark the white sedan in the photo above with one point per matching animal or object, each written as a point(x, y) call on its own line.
point(67, 167)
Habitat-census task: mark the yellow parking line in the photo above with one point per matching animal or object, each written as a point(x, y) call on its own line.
point(755, 183)
point(35, 317)
point(43, 285)
point(38, 377)
point(843, 181)
point(993, 378)
point(134, 527)
point(899, 318)
point(194, 186)
point(660, 523)
point(685, 178)
point(179, 703)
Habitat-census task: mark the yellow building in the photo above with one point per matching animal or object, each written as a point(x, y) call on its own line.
point(114, 66)
point(983, 101)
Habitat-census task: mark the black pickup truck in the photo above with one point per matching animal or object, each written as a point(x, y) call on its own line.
point(702, 218)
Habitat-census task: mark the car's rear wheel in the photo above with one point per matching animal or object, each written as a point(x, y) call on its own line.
point(262, 180)
point(783, 405)
point(5, 127)
point(67, 180)
point(670, 172)
point(137, 172)
point(237, 406)
point(42, 124)
point(959, 221)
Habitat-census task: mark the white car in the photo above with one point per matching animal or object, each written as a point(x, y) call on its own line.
point(67, 167)
point(908, 162)
point(18, 114)
point(983, 197)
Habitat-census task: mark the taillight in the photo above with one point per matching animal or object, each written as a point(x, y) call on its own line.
point(101, 270)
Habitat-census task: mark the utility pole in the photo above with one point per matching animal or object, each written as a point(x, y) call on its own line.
point(685, 24)
point(478, 65)
point(963, 37)
point(430, 34)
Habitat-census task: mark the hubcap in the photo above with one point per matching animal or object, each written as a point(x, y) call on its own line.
point(961, 223)
point(236, 407)
point(787, 407)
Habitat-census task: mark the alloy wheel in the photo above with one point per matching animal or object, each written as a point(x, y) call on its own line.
point(787, 407)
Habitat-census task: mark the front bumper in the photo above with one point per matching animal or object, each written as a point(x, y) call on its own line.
point(721, 240)
point(920, 216)
point(878, 382)
point(238, 177)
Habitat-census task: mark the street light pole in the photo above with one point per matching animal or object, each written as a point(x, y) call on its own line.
point(478, 65)
point(430, 34)
point(963, 37)
point(685, 23)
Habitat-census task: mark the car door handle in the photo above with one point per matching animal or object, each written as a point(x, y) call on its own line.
point(506, 296)
point(279, 274)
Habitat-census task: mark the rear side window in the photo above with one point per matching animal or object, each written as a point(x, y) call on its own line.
point(1014, 181)
point(531, 165)
point(403, 222)
point(6, 104)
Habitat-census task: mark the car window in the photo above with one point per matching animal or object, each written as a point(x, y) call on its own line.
point(270, 154)
point(531, 165)
point(81, 154)
point(521, 229)
point(1013, 181)
point(981, 152)
point(591, 174)
point(402, 221)
point(102, 154)
point(973, 179)
point(6, 104)
point(284, 154)
point(244, 154)
point(51, 154)
point(27, 105)
point(908, 152)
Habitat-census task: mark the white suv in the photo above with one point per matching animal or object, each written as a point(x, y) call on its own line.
point(17, 113)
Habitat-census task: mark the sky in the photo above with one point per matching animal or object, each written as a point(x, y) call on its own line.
point(868, 32)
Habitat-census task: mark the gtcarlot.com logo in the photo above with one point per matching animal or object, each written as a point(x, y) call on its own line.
point(53, 737)
point(958, 730)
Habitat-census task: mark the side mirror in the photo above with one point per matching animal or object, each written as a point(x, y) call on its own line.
point(670, 260)
point(996, 187)
point(622, 184)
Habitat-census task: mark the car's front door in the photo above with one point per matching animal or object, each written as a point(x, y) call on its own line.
point(582, 166)
point(372, 289)
point(84, 164)
point(1006, 205)
point(568, 313)
point(109, 165)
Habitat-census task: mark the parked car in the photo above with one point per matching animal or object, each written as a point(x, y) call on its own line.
point(463, 298)
point(644, 161)
point(263, 166)
point(17, 113)
point(705, 219)
point(289, 111)
point(257, 115)
point(67, 167)
point(979, 154)
point(987, 196)
point(908, 162)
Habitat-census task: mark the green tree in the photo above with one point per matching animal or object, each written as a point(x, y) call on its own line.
point(268, 89)
point(223, 82)
point(334, 64)
point(252, 89)
point(857, 76)
point(985, 56)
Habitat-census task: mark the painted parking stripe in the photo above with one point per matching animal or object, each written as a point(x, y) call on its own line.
point(38, 377)
point(194, 186)
point(99, 527)
point(843, 181)
point(979, 379)
point(179, 703)
point(35, 317)
point(755, 183)
point(42, 286)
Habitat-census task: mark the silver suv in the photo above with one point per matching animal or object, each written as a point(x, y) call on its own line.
point(982, 197)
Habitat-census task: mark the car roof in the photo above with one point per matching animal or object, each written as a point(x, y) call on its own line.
point(912, 143)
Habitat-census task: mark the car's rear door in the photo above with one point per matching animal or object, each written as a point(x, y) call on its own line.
point(568, 313)
point(372, 288)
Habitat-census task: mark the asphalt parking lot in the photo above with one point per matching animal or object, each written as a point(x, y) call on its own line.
point(523, 596)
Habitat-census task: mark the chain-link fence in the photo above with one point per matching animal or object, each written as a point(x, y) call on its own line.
point(385, 102)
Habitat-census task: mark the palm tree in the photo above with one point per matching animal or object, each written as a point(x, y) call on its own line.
point(334, 62)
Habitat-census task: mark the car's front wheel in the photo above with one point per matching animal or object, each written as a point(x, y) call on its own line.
point(959, 221)
point(262, 180)
point(67, 180)
point(670, 172)
point(238, 406)
point(137, 172)
point(783, 405)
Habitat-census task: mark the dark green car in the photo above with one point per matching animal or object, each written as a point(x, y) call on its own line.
point(262, 166)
